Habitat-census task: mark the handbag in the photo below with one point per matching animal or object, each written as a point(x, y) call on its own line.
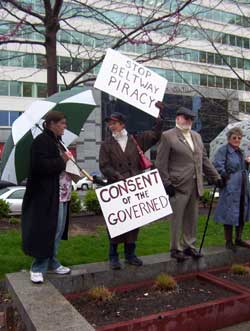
point(145, 163)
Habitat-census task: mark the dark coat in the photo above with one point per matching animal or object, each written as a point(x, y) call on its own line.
point(231, 164)
point(41, 200)
point(116, 164)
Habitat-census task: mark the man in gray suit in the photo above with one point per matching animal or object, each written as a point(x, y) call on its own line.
point(182, 160)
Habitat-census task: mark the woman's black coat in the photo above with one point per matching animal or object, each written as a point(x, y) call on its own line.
point(41, 200)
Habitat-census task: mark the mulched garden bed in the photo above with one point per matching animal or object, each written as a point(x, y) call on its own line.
point(14, 322)
point(243, 280)
point(138, 302)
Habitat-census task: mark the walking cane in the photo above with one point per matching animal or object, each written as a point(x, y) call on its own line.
point(208, 216)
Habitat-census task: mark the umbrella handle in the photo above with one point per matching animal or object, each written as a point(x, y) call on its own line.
point(84, 172)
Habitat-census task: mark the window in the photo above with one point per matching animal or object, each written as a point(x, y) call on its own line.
point(8, 117)
point(41, 90)
point(41, 62)
point(219, 81)
point(29, 61)
point(28, 89)
point(4, 87)
point(195, 79)
point(233, 61)
point(17, 194)
point(76, 65)
point(210, 58)
point(203, 57)
point(241, 85)
point(227, 83)
point(232, 40)
point(211, 81)
point(218, 59)
point(203, 80)
point(15, 89)
point(234, 85)
point(65, 64)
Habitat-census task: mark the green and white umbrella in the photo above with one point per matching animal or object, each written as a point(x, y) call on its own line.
point(16, 154)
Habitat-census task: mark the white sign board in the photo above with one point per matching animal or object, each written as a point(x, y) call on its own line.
point(134, 202)
point(131, 82)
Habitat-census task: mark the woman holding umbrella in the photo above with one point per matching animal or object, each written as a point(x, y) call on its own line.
point(233, 208)
point(45, 204)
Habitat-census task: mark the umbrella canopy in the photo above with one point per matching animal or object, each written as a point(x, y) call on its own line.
point(16, 154)
point(221, 139)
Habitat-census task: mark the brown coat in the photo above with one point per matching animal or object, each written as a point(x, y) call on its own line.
point(116, 164)
point(177, 163)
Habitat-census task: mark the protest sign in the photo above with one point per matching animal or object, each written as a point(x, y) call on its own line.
point(131, 82)
point(134, 202)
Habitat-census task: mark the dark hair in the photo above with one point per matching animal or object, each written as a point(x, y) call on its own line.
point(52, 116)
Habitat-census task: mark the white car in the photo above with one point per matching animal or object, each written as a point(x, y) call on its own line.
point(84, 184)
point(14, 196)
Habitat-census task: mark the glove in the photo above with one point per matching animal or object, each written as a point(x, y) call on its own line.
point(220, 183)
point(99, 181)
point(170, 190)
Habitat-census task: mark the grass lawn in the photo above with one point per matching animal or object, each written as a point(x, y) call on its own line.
point(153, 238)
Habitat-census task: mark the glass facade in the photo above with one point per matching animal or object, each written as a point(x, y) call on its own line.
point(212, 115)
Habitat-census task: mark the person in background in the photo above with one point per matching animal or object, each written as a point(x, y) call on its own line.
point(46, 200)
point(233, 207)
point(119, 159)
point(181, 161)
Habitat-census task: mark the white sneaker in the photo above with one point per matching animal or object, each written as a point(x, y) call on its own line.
point(61, 270)
point(36, 277)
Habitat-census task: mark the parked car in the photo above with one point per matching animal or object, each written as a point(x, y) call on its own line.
point(14, 196)
point(84, 184)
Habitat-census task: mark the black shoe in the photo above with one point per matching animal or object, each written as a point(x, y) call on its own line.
point(134, 261)
point(241, 243)
point(230, 245)
point(115, 265)
point(178, 255)
point(192, 252)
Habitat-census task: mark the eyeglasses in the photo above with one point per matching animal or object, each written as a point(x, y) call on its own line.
point(236, 137)
point(188, 117)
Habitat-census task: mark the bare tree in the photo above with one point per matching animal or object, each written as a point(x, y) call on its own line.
point(69, 25)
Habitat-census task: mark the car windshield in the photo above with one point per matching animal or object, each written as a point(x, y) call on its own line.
point(3, 190)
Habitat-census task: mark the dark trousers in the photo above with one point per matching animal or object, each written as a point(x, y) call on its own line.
point(129, 251)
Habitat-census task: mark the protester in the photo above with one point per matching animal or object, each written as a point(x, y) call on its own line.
point(46, 201)
point(233, 208)
point(181, 161)
point(119, 159)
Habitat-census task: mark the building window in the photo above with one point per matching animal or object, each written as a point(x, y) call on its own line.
point(41, 90)
point(8, 117)
point(27, 89)
point(15, 89)
point(4, 87)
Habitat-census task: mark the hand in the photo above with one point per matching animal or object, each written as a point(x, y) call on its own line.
point(67, 155)
point(170, 190)
point(161, 106)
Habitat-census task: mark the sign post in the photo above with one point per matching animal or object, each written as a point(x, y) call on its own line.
point(131, 82)
point(134, 202)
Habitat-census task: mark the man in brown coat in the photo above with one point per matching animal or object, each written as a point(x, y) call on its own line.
point(182, 160)
point(119, 159)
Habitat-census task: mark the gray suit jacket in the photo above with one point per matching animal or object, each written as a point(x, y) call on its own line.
point(177, 163)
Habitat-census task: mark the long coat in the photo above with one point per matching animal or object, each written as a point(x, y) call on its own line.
point(41, 200)
point(116, 164)
point(177, 163)
point(231, 163)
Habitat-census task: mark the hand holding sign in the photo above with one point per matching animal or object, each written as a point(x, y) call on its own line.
point(130, 204)
point(131, 82)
